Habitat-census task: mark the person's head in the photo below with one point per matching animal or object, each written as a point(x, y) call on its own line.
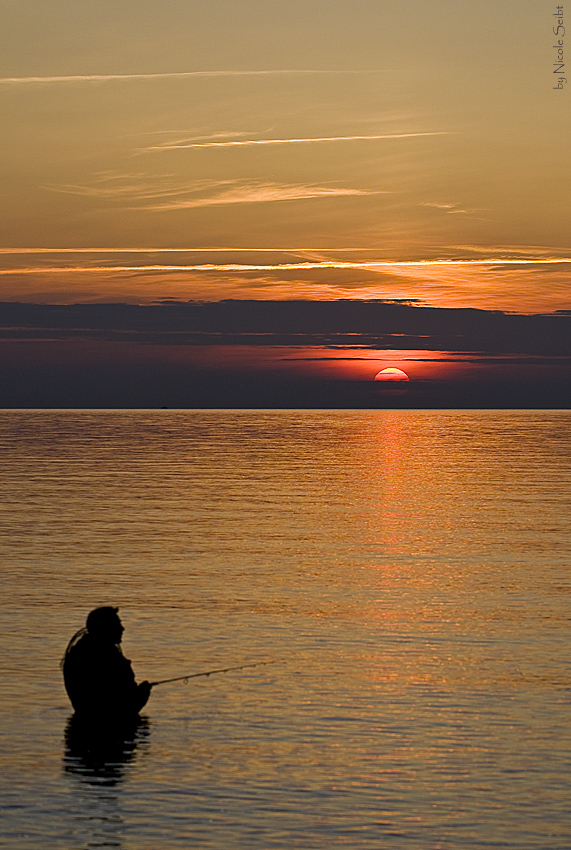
point(104, 624)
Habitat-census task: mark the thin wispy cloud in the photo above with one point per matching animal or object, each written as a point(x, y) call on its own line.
point(184, 144)
point(176, 250)
point(519, 250)
point(103, 78)
point(301, 266)
point(201, 193)
point(450, 209)
point(137, 187)
point(259, 193)
point(454, 209)
point(327, 256)
point(499, 254)
point(201, 138)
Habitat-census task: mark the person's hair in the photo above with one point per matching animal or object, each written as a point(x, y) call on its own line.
point(101, 618)
point(97, 621)
point(75, 639)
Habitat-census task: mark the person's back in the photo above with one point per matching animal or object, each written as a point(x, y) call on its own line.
point(99, 680)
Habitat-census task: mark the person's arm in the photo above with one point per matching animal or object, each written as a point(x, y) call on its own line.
point(143, 694)
point(132, 696)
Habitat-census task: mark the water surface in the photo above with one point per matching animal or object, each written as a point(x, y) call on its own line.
point(408, 570)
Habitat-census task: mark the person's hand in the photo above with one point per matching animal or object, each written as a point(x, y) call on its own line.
point(145, 689)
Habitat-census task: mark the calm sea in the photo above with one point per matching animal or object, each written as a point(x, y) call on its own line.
point(409, 572)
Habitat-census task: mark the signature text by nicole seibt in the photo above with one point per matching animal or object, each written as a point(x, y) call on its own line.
point(559, 33)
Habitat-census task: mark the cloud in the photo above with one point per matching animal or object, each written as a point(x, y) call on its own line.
point(184, 144)
point(450, 209)
point(503, 252)
point(156, 250)
point(455, 209)
point(257, 193)
point(104, 78)
point(136, 186)
point(146, 273)
point(201, 193)
point(523, 359)
point(524, 255)
point(248, 267)
point(354, 324)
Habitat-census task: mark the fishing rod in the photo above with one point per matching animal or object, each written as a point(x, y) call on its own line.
point(209, 673)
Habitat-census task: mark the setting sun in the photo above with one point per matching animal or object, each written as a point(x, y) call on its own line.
point(391, 374)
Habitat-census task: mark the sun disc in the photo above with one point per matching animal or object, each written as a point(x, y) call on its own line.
point(391, 374)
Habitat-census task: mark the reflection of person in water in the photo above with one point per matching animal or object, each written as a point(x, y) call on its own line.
point(100, 755)
point(99, 680)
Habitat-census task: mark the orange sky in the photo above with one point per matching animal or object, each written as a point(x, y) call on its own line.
point(285, 150)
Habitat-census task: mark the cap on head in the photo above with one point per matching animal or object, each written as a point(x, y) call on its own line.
point(102, 620)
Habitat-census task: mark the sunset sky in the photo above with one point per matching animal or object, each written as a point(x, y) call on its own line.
point(317, 150)
point(272, 134)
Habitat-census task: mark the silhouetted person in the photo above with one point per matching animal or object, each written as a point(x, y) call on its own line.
point(99, 680)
